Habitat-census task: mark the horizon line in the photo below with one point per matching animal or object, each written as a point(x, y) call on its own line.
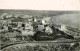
point(39, 9)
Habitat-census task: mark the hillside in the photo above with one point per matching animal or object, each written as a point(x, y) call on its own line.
point(49, 13)
point(72, 20)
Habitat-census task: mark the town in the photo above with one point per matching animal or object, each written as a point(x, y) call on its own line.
point(18, 27)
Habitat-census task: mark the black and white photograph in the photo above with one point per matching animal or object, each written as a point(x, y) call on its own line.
point(33, 30)
point(39, 29)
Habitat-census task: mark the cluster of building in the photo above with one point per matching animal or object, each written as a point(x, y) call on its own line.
point(25, 26)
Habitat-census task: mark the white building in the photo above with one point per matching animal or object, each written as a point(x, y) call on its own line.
point(40, 27)
point(48, 30)
point(63, 27)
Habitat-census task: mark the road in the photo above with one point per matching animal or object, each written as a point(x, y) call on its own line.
point(33, 43)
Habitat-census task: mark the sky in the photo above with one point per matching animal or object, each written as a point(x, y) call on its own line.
point(40, 4)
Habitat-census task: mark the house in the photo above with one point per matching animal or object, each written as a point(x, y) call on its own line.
point(63, 27)
point(48, 30)
point(19, 22)
point(27, 32)
point(40, 27)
